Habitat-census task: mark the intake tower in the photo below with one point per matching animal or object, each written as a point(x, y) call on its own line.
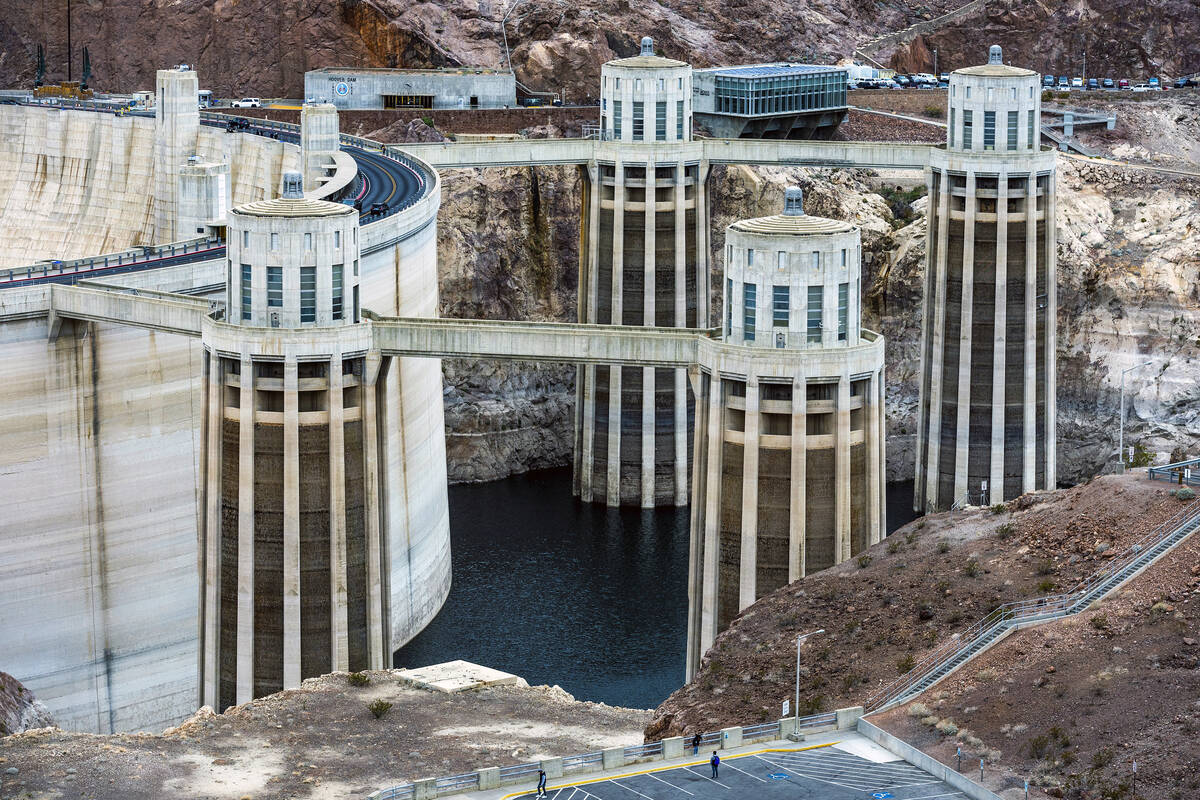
point(987, 424)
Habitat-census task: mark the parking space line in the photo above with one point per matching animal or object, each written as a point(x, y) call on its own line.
point(668, 783)
point(822, 780)
point(670, 768)
point(705, 777)
point(635, 791)
point(931, 796)
point(747, 774)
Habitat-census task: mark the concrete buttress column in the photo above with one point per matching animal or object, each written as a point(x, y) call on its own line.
point(999, 338)
point(680, 399)
point(1051, 316)
point(747, 577)
point(962, 427)
point(291, 524)
point(712, 512)
point(649, 266)
point(841, 492)
point(245, 568)
point(338, 607)
point(377, 651)
point(696, 527)
point(871, 442)
point(613, 482)
point(214, 420)
point(1029, 405)
point(799, 468)
point(936, 353)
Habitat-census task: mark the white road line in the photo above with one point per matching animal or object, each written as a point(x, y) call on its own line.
point(668, 783)
point(706, 777)
point(931, 796)
point(747, 774)
point(635, 791)
point(822, 780)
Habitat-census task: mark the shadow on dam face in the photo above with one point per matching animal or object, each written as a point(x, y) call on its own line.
point(562, 592)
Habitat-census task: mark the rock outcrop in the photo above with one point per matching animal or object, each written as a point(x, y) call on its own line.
point(19, 710)
point(1113, 38)
point(260, 48)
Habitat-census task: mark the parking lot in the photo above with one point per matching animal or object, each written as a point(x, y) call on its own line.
point(825, 772)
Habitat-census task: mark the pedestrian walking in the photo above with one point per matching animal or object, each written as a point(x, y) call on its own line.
point(541, 790)
point(715, 761)
point(696, 744)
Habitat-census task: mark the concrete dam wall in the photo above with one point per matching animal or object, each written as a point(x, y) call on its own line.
point(75, 183)
point(101, 450)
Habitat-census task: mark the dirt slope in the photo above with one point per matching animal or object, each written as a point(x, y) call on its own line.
point(933, 578)
point(1074, 703)
point(318, 741)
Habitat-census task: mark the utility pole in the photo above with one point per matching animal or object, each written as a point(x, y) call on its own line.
point(799, 641)
point(935, 64)
point(1121, 435)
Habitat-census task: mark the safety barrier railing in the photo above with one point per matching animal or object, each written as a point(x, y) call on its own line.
point(950, 654)
point(1185, 473)
point(123, 258)
point(677, 747)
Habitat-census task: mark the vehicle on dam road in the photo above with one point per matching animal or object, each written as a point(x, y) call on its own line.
point(247, 102)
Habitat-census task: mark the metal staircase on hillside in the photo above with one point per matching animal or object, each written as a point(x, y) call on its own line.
point(961, 648)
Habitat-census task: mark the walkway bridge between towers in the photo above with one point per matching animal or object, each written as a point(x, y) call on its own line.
point(783, 152)
point(425, 337)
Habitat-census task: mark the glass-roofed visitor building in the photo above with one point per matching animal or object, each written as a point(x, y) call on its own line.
point(770, 101)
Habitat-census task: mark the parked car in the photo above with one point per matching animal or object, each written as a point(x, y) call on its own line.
point(943, 77)
point(1093, 84)
point(1108, 83)
point(1184, 83)
point(1048, 81)
point(1123, 84)
point(1076, 83)
point(1154, 84)
point(904, 81)
point(1064, 82)
point(247, 102)
point(1141, 87)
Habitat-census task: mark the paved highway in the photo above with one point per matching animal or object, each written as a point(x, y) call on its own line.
point(387, 185)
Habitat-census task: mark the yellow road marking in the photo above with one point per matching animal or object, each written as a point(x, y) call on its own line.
point(285, 108)
point(671, 767)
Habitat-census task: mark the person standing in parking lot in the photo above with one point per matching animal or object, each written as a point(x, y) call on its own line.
point(541, 790)
point(715, 762)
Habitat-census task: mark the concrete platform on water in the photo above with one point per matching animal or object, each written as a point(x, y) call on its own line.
point(842, 765)
point(458, 676)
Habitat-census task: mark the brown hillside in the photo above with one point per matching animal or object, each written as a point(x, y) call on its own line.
point(1074, 703)
point(905, 595)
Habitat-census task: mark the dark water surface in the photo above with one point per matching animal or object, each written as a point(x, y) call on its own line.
point(558, 591)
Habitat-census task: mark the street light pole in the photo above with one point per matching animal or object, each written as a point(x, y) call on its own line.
point(799, 641)
point(1121, 435)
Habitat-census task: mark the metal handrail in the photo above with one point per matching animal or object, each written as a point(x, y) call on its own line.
point(1175, 473)
point(580, 761)
point(1048, 607)
point(126, 257)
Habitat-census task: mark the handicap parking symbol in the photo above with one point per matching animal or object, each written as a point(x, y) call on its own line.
point(881, 795)
point(778, 776)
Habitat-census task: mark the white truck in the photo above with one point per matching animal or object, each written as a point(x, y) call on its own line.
point(247, 102)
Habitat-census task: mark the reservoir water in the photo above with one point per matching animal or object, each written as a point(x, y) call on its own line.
point(561, 592)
